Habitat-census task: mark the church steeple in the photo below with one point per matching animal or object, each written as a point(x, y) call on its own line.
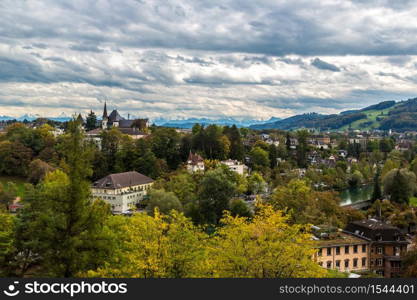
point(105, 110)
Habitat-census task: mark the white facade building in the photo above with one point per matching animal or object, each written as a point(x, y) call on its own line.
point(195, 163)
point(235, 166)
point(122, 190)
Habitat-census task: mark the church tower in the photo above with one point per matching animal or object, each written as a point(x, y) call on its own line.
point(105, 117)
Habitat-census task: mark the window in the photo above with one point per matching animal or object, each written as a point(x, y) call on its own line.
point(363, 248)
point(346, 263)
point(355, 249)
point(337, 250)
point(355, 262)
point(329, 264)
point(363, 261)
point(379, 262)
point(338, 264)
point(321, 264)
point(346, 249)
point(329, 251)
point(372, 262)
point(397, 251)
point(380, 250)
point(320, 252)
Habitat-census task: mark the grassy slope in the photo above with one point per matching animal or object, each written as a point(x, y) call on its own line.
point(371, 116)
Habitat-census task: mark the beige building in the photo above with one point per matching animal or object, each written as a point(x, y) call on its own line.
point(122, 190)
point(235, 166)
point(343, 252)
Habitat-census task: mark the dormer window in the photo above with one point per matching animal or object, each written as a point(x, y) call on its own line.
point(378, 237)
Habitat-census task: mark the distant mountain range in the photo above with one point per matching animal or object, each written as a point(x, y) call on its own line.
point(189, 123)
point(399, 116)
point(30, 117)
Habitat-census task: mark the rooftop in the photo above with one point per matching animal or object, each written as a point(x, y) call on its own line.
point(122, 180)
point(340, 239)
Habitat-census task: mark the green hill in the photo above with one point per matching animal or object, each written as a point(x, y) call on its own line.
point(398, 116)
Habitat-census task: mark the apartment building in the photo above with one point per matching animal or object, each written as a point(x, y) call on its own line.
point(343, 252)
point(387, 244)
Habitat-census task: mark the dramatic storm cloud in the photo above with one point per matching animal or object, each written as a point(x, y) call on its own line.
point(243, 59)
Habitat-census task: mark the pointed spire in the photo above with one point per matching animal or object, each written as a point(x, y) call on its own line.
point(105, 110)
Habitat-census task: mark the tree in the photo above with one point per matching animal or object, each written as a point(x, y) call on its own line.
point(377, 192)
point(256, 184)
point(159, 246)
point(91, 121)
point(307, 206)
point(302, 148)
point(388, 166)
point(240, 208)
point(288, 142)
point(214, 195)
point(266, 247)
point(237, 149)
point(61, 228)
point(37, 170)
point(7, 194)
point(183, 185)
point(386, 145)
point(273, 155)
point(14, 158)
point(410, 263)
point(165, 145)
point(259, 158)
point(356, 178)
point(164, 201)
point(110, 143)
point(400, 185)
point(7, 244)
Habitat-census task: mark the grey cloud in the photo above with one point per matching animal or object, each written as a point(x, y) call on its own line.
point(321, 64)
point(275, 28)
point(86, 48)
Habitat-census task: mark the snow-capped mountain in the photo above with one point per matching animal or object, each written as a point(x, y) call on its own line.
point(189, 123)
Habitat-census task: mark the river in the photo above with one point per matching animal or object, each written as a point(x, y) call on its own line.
point(357, 194)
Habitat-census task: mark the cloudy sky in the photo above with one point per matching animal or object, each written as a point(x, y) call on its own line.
point(213, 58)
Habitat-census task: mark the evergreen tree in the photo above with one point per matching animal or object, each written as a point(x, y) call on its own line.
point(288, 141)
point(377, 192)
point(237, 150)
point(273, 155)
point(61, 228)
point(91, 121)
point(302, 148)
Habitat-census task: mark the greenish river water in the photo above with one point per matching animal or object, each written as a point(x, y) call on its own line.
point(358, 194)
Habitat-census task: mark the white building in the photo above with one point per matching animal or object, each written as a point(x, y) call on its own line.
point(122, 190)
point(235, 166)
point(195, 163)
